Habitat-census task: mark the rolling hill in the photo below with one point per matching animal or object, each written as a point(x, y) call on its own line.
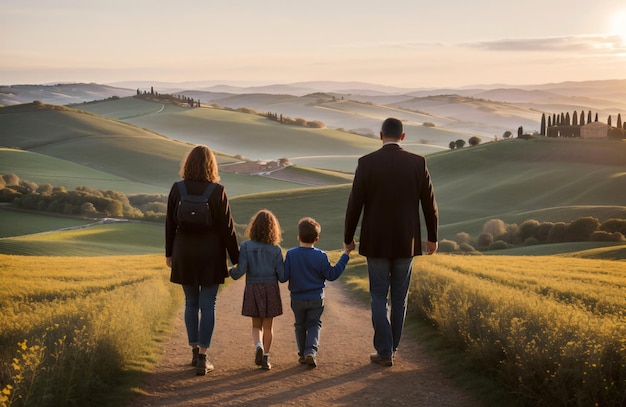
point(486, 111)
point(513, 180)
point(64, 146)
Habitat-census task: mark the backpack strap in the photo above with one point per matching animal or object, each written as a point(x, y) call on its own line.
point(182, 188)
point(209, 190)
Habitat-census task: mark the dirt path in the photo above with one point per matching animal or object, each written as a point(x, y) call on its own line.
point(344, 375)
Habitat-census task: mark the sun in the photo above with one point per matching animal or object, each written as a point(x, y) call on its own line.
point(618, 24)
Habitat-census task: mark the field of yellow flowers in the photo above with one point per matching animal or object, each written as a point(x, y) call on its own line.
point(70, 326)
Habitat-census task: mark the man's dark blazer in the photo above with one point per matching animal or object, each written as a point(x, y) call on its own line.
point(389, 185)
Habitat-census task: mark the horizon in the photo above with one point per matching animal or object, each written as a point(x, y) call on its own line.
point(398, 44)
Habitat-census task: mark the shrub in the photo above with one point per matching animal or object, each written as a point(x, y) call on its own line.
point(531, 241)
point(510, 234)
point(581, 229)
point(601, 236)
point(474, 141)
point(557, 233)
point(316, 124)
point(542, 231)
point(466, 247)
point(527, 229)
point(11, 179)
point(484, 240)
point(448, 246)
point(496, 227)
point(428, 124)
point(614, 225)
point(462, 238)
point(498, 245)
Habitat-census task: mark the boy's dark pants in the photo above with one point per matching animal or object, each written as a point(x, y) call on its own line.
point(308, 324)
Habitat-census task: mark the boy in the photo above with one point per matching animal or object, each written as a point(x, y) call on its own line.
point(307, 269)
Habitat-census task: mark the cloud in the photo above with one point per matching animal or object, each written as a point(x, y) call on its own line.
point(587, 44)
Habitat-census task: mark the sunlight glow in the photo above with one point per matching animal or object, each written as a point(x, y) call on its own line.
point(618, 24)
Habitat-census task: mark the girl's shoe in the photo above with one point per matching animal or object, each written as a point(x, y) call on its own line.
point(194, 356)
point(258, 356)
point(265, 363)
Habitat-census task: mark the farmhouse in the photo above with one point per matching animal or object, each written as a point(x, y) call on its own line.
point(594, 130)
point(258, 167)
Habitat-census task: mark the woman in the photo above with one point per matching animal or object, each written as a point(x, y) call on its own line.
point(197, 256)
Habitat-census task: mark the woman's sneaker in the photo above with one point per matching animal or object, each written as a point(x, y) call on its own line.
point(203, 366)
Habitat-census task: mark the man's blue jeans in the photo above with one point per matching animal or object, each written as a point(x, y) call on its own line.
point(308, 314)
point(200, 313)
point(388, 278)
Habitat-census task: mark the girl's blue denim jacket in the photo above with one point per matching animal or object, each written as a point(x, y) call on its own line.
point(260, 262)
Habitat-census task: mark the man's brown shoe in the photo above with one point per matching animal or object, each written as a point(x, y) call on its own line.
point(376, 358)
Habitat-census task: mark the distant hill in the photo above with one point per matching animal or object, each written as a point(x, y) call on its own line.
point(65, 146)
point(60, 94)
point(486, 111)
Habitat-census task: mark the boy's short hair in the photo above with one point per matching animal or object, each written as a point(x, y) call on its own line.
point(308, 230)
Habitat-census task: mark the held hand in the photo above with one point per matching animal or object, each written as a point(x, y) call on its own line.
point(168, 262)
point(431, 247)
point(347, 248)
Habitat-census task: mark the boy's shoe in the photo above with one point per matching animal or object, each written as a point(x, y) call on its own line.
point(265, 362)
point(203, 366)
point(194, 356)
point(310, 360)
point(301, 360)
point(376, 358)
point(258, 356)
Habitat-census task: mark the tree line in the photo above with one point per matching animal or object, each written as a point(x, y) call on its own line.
point(82, 201)
point(570, 125)
point(460, 143)
point(166, 97)
point(497, 234)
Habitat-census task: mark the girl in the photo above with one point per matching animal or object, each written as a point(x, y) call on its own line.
point(261, 260)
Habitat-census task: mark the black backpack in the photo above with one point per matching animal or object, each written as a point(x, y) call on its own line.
point(193, 211)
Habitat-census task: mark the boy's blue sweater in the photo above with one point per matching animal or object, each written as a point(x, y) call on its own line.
point(307, 269)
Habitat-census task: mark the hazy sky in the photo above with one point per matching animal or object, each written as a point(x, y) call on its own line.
point(409, 43)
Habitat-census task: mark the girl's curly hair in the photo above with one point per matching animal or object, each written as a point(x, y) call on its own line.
point(264, 227)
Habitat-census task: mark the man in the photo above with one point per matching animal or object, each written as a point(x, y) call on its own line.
point(389, 186)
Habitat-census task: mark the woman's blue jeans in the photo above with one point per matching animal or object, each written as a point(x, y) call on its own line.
point(200, 313)
point(388, 278)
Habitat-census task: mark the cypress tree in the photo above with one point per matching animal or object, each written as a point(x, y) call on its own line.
point(543, 124)
point(619, 120)
point(582, 117)
point(589, 117)
point(609, 121)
